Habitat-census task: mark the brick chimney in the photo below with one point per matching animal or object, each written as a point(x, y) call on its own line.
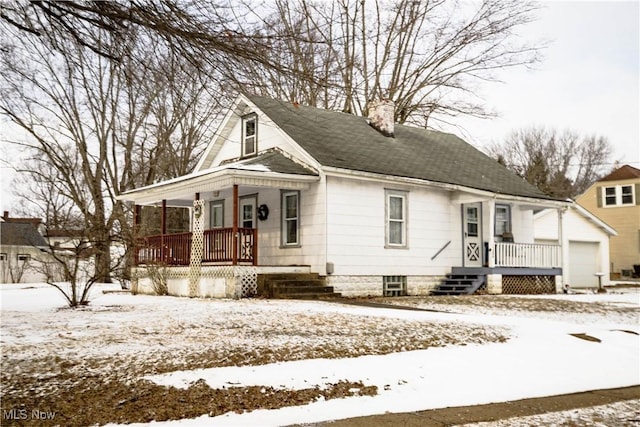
point(381, 116)
point(6, 215)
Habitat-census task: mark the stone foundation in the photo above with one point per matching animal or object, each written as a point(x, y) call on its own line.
point(364, 286)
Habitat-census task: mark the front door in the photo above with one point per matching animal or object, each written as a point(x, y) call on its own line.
point(247, 220)
point(472, 234)
point(247, 212)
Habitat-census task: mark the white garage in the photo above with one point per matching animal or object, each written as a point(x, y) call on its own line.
point(583, 264)
point(586, 244)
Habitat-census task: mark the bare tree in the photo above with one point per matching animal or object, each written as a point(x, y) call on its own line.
point(97, 127)
point(428, 57)
point(561, 164)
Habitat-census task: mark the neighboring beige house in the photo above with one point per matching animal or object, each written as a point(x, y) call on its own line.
point(586, 239)
point(616, 200)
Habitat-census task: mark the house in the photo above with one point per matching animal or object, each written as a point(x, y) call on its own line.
point(586, 239)
point(21, 246)
point(616, 200)
point(367, 206)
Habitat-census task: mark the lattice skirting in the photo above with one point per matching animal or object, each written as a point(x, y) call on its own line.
point(528, 285)
point(239, 281)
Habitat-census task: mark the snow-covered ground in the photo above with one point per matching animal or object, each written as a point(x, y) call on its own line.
point(475, 353)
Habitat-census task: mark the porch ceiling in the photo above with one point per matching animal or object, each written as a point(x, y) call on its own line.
point(182, 190)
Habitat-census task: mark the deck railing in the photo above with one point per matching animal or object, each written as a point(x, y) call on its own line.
point(175, 249)
point(527, 255)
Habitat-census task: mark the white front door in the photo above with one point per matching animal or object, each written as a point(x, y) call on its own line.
point(472, 234)
point(247, 214)
point(247, 220)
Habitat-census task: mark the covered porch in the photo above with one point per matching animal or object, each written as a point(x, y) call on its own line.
point(224, 211)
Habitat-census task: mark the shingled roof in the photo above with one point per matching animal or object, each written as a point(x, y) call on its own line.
point(346, 141)
point(272, 160)
point(20, 234)
point(623, 172)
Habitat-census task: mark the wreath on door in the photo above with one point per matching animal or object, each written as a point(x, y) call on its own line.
point(263, 212)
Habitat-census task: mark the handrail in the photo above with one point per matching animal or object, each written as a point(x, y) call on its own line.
point(441, 249)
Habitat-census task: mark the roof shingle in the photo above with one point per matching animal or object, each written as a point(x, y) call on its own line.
point(346, 141)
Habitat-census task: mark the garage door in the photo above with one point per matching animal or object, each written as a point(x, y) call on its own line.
point(583, 264)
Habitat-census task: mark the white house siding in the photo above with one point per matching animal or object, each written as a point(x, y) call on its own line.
point(311, 250)
point(580, 233)
point(356, 237)
point(269, 136)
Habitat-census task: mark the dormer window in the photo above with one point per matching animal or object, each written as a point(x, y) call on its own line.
point(249, 135)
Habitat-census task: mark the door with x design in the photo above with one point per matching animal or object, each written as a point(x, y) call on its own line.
point(472, 234)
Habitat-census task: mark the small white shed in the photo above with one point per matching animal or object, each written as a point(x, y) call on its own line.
point(586, 242)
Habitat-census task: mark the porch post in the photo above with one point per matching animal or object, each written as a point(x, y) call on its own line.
point(163, 218)
point(234, 256)
point(163, 229)
point(491, 258)
point(197, 247)
point(136, 226)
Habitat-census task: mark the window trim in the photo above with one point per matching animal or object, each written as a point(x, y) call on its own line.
point(26, 257)
point(508, 221)
point(403, 195)
point(618, 195)
point(213, 204)
point(3, 256)
point(284, 194)
point(252, 117)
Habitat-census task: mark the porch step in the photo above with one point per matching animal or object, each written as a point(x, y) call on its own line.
point(459, 284)
point(294, 285)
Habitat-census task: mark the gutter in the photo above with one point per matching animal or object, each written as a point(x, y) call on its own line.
point(375, 177)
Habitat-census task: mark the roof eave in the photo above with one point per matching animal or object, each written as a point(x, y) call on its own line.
point(186, 187)
point(371, 176)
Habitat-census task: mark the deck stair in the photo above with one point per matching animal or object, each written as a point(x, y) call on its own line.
point(459, 284)
point(294, 286)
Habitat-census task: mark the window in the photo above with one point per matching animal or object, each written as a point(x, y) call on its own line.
point(627, 194)
point(290, 218)
point(394, 286)
point(503, 219)
point(24, 257)
point(396, 218)
point(216, 214)
point(249, 135)
point(610, 196)
point(3, 257)
point(619, 195)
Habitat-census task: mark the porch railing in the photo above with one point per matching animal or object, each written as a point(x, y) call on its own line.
point(218, 245)
point(527, 255)
point(175, 249)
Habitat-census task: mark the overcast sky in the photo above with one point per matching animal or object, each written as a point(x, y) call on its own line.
point(588, 82)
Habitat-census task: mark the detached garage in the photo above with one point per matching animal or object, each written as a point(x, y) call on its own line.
point(586, 244)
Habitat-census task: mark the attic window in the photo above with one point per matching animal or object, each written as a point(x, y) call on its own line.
point(249, 135)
